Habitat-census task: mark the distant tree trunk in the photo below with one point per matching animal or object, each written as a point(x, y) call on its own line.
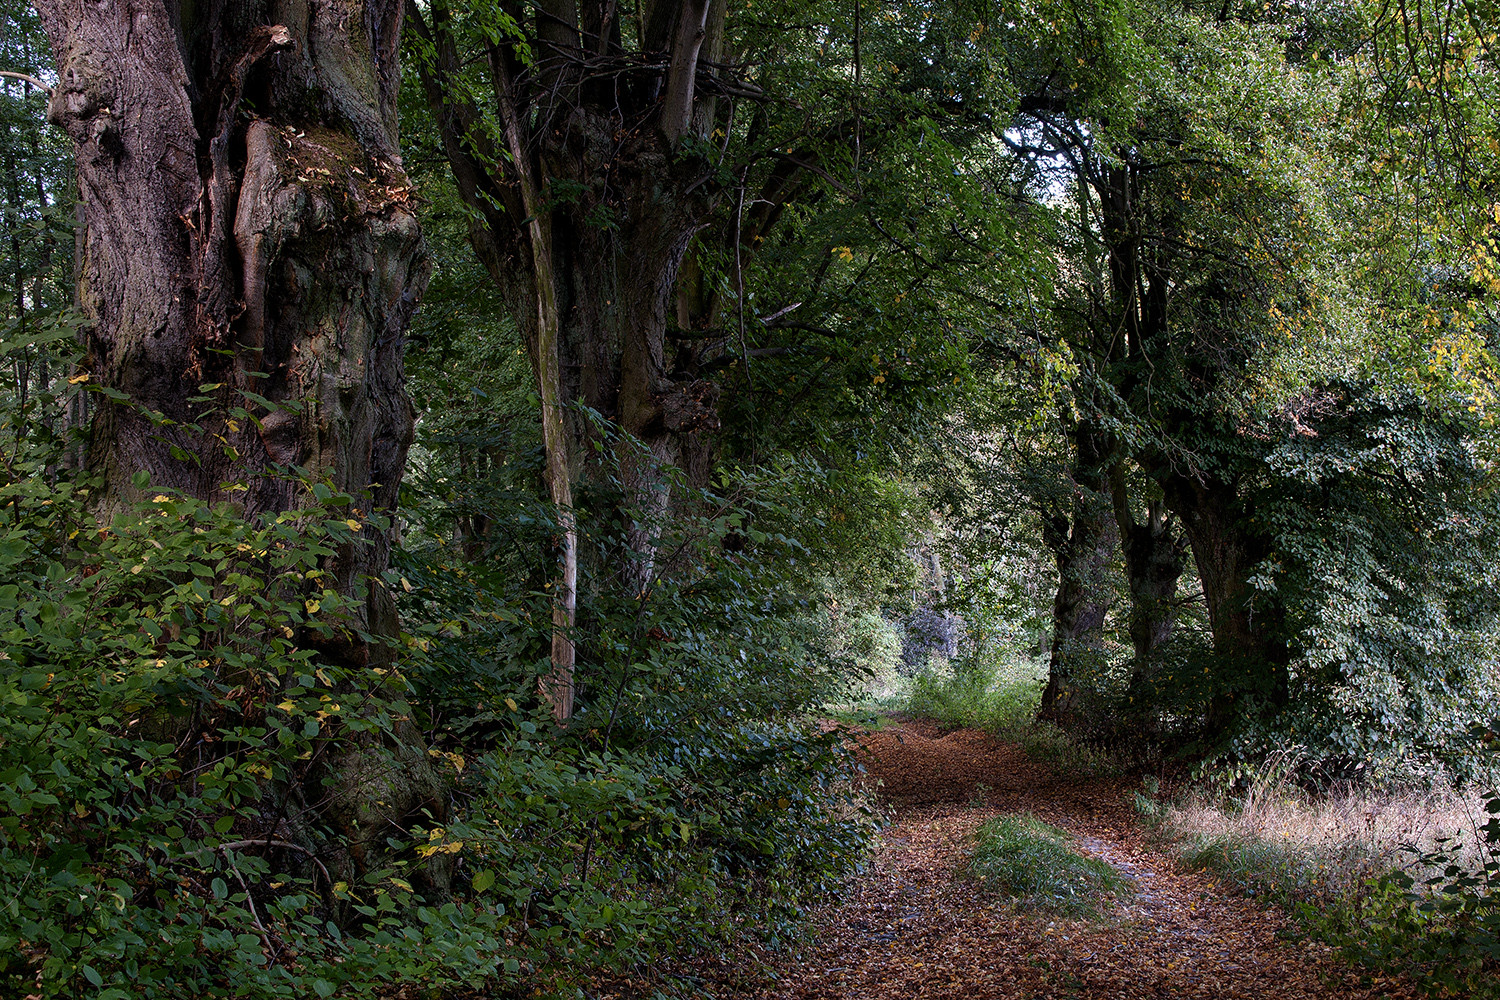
point(1155, 557)
point(1083, 543)
point(246, 221)
point(1249, 644)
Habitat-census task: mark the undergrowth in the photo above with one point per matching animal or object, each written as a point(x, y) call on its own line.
point(182, 745)
point(1404, 880)
point(1033, 863)
point(1002, 698)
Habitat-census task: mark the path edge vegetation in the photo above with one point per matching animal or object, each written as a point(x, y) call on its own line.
point(437, 504)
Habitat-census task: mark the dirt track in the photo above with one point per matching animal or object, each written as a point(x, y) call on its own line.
point(910, 928)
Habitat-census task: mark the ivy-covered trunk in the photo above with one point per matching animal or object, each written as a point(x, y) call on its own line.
point(248, 241)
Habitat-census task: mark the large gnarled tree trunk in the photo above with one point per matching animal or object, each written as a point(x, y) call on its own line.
point(1155, 557)
point(246, 222)
point(1248, 641)
point(584, 202)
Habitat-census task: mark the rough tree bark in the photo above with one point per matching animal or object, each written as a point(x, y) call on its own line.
point(584, 203)
point(246, 221)
point(1083, 543)
point(1252, 650)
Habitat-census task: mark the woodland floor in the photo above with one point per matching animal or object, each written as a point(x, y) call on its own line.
point(912, 927)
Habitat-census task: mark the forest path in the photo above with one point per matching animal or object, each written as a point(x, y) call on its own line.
point(911, 927)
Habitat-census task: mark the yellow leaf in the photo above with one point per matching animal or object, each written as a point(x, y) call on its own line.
point(510, 703)
point(353, 524)
point(78, 378)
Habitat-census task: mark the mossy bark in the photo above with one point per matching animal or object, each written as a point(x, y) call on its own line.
point(246, 224)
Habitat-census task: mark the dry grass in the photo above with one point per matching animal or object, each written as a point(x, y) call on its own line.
point(1325, 844)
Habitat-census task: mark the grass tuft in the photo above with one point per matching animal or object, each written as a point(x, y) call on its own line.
point(1032, 863)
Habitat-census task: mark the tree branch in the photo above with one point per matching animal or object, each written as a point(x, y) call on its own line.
point(692, 28)
point(27, 78)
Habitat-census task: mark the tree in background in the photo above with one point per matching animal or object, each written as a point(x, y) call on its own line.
point(641, 184)
point(38, 195)
point(576, 137)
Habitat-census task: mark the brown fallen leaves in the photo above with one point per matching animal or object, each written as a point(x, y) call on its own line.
point(910, 927)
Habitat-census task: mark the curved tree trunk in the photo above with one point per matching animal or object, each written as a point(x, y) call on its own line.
point(246, 222)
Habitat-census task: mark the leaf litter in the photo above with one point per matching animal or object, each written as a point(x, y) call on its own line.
point(912, 926)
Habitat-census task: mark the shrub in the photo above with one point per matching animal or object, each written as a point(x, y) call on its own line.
point(689, 798)
point(1003, 700)
point(164, 705)
point(173, 701)
point(1438, 916)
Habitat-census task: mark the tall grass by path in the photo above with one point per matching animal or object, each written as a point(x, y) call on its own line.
point(1398, 879)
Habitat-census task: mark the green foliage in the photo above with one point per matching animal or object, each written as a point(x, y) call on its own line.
point(1386, 558)
point(170, 688)
point(688, 798)
point(37, 195)
point(1434, 915)
point(1003, 700)
point(1000, 701)
point(1437, 917)
point(933, 266)
point(1032, 863)
point(164, 692)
